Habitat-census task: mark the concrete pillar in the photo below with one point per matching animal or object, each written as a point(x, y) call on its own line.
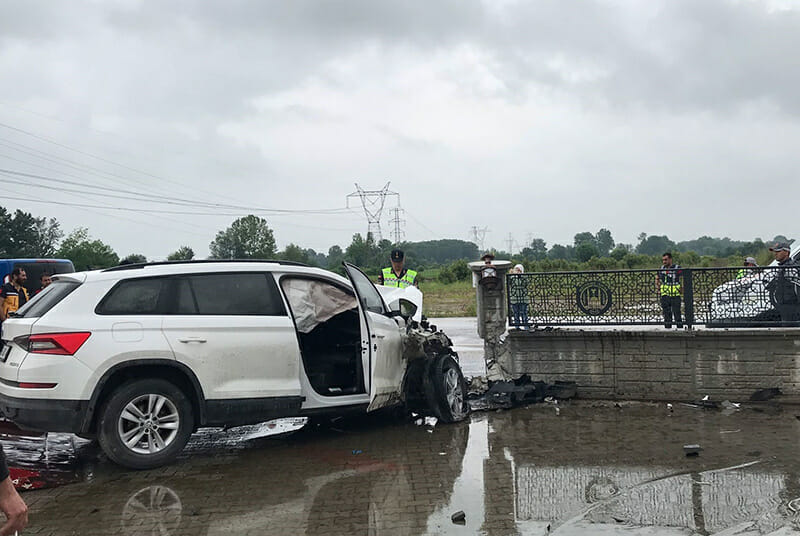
point(492, 311)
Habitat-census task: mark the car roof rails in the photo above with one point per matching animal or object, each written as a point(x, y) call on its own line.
point(138, 266)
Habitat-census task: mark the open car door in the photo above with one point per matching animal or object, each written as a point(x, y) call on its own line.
point(381, 342)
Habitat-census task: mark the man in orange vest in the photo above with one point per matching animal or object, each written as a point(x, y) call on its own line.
point(13, 294)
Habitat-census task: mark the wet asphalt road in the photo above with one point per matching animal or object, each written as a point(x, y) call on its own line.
point(590, 468)
point(593, 468)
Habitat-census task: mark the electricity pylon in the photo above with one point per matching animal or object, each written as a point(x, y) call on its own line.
point(372, 202)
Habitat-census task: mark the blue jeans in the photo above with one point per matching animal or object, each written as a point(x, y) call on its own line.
point(519, 313)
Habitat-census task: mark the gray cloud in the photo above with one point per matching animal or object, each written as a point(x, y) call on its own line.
point(545, 99)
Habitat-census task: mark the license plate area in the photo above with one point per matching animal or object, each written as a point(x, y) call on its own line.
point(4, 352)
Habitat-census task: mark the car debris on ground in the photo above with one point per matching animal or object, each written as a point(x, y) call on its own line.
point(459, 518)
point(518, 392)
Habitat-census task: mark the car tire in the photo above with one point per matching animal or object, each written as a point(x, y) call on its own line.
point(145, 423)
point(446, 390)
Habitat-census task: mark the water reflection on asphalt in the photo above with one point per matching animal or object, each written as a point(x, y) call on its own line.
point(592, 469)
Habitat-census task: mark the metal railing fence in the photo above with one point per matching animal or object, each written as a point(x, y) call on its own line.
point(714, 297)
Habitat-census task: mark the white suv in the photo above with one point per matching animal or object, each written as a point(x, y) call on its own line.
point(140, 356)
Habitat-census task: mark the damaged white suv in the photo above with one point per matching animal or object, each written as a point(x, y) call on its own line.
point(140, 356)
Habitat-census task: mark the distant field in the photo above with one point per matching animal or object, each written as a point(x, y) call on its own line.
point(446, 300)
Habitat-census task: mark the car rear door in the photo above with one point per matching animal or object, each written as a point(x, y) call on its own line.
point(232, 329)
point(381, 341)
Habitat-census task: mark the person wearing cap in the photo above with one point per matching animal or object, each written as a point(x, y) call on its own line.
point(397, 275)
point(668, 283)
point(784, 288)
point(749, 263)
point(518, 297)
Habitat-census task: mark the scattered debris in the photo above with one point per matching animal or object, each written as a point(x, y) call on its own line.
point(431, 421)
point(730, 431)
point(729, 408)
point(669, 407)
point(459, 518)
point(706, 403)
point(794, 505)
point(523, 390)
point(765, 394)
point(692, 450)
point(356, 452)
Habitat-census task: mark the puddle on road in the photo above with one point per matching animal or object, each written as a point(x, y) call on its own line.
point(588, 470)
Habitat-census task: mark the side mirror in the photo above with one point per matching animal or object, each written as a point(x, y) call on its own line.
point(403, 307)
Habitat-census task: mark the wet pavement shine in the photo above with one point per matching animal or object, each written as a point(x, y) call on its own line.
point(591, 468)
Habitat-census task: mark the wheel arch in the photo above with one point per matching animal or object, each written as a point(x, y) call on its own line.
point(172, 371)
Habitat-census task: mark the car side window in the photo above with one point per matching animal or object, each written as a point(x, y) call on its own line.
point(185, 304)
point(232, 294)
point(135, 297)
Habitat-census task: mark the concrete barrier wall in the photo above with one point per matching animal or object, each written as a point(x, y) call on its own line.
point(653, 365)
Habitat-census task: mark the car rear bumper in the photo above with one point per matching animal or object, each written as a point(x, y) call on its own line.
point(45, 415)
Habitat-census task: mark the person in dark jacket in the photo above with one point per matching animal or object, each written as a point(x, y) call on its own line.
point(784, 288)
point(12, 505)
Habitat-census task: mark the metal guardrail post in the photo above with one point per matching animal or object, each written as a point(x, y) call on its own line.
point(688, 297)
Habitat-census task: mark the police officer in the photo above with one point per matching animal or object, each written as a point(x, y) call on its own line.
point(13, 294)
point(749, 263)
point(397, 275)
point(784, 288)
point(668, 282)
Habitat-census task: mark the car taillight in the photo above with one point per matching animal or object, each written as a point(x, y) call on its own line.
point(53, 343)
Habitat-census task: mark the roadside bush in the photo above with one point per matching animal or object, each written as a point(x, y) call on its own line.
point(455, 271)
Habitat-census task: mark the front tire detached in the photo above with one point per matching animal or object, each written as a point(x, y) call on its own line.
point(145, 423)
point(446, 390)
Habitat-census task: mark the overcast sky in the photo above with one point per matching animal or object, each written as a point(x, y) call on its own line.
point(534, 118)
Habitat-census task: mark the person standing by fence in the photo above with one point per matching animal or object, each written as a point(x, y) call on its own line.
point(784, 288)
point(668, 283)
point(518, 296)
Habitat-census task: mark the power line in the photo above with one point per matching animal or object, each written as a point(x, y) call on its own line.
point(172, 201)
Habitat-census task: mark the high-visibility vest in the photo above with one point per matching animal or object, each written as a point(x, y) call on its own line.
point(405, 280)
point(670, 280)
point(11, 300)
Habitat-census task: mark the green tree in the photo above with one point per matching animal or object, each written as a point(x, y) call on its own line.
point(247, 238)
point(335, 258)
point(183, 253)
point(134, 258)
point(585, 251)
point(584, 238)
point(557, 251)
point(85, 253)
point(361, 251)
point(604, 242)
point(654, 245)
point(25, 235)
point(537, 250)
point(294, 253)
point(620, 251)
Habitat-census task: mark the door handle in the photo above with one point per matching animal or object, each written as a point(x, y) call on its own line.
point(192, 339)
point(379, 336)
